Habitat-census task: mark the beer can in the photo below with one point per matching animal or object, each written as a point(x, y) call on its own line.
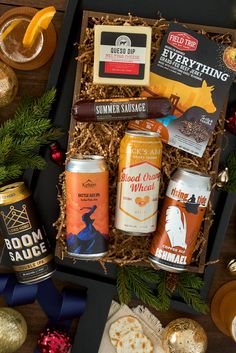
point(87, 223)
point(25, 239)
point(138, 182)
point(180, 220)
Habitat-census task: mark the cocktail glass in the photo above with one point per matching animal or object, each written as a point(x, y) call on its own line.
point(12, 45)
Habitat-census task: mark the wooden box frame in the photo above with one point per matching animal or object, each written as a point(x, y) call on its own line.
point(216, 30)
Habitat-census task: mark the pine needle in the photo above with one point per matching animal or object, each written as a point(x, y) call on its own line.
point(141, 288)
point(123, 287)
point(139, 281)
point(188, 288)
point(145, 273)
point(163, 293)
point(22, 137)
point(190, 279)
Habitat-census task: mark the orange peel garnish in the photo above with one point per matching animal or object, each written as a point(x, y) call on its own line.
point(10, 28)
point(41, 20)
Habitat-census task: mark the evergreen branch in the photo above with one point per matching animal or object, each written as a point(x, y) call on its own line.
point(7, 128)
point(23, 112)
point(145, 273)
point(193, 298)
point(139, 280)
point(30, 161)
point(13, 171)
point(163, 293)
point(190, 279)
point(39, 127)
point(42, 105)
point(21, 137)
point(51, 135)
point(141, 288)
point(123, 287)
point(30, 109)
point(23, 109)
point(3, 174)
point(5, 148)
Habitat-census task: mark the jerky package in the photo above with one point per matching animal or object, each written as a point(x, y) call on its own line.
point(195, 73)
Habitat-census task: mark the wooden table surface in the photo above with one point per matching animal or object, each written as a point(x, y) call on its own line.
point(33, 83)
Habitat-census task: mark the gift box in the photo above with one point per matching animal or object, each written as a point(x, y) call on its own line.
point(105, 139)
point(70, 77)
point(66, 75)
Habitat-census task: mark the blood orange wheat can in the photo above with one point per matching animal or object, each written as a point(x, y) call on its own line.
point(138, 182)
point(87, 207)
point(180, 220)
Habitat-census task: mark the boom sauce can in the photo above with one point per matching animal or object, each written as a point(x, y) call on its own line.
point(138, 182)
point(180, 220)
point(25, 240)
point(87, 207)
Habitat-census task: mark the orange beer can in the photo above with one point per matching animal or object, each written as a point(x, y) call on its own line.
point(180, 220)
point(138, 182)
point(87, 207)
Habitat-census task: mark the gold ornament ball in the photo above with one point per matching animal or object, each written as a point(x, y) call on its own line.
point(184, 336)
point(13, 330)
point(8, 84)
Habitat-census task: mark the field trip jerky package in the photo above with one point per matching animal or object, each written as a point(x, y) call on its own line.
point(195, 73)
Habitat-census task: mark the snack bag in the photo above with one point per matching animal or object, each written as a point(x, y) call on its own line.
point(195, 73)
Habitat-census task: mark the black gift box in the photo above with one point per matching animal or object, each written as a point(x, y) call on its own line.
point(101, 286)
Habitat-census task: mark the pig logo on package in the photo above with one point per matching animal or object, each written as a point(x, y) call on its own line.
point(195, 73)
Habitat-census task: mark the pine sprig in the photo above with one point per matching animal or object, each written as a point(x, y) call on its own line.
point(190, 279)
point(123, 287)
point(153, 287)
point(188, 288)
point(141, 288)
point(163, 293)
point(30, 109)
point(145, 273)
point(5, 148)
point(44, 103)
point(22, 137)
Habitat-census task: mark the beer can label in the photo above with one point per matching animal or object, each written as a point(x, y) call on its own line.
point(25, 240)
point(138, 184)
point(87, 212)
point(179, 224)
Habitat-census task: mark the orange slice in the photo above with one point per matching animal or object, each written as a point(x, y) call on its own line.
point(41, 19)
point(9, 29)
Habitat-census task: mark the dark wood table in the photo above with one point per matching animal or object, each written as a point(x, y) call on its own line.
point(33, 83)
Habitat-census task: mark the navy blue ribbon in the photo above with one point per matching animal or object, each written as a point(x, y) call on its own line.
point(57, 306)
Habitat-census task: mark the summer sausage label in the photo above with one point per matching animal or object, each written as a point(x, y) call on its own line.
point(179, 223)
point(136, 107)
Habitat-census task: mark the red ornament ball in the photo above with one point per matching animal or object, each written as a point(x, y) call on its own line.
point(54, 341)
point(57, 154)
point(231, 122)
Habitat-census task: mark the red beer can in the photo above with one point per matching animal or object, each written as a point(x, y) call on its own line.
point(180, 220)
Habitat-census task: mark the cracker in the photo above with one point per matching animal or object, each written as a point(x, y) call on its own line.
point(134, 341)
point(122, 326)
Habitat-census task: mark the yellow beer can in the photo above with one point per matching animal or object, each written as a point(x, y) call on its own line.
point(138, 182)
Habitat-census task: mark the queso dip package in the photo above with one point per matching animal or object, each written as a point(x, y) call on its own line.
point(195, 73)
